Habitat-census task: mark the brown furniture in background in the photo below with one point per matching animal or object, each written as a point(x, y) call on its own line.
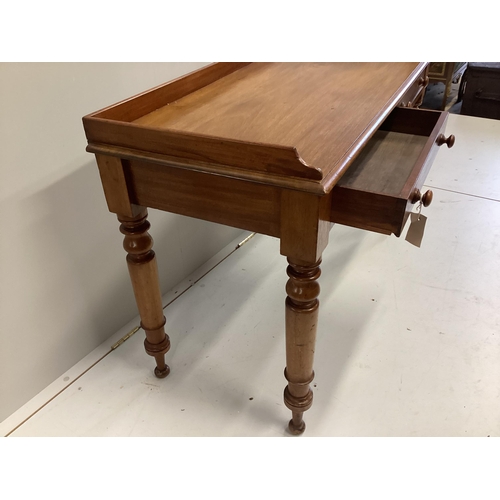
point(283, 149)
point(481, 90)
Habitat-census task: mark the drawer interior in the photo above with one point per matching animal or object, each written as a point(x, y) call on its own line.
point(374, 192)
point(385, 163)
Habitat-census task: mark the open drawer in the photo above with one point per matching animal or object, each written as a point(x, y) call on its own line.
point(383, 183)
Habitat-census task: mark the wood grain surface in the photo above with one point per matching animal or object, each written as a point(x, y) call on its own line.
point(245, 205)
point(303, 120)
point(320, 109)
point(376, 192)
point(385, 163)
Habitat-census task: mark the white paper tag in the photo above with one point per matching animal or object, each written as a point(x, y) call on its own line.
point(416, 230)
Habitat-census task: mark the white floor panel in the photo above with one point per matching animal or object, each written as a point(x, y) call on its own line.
point(472, 165)
point(422, 356)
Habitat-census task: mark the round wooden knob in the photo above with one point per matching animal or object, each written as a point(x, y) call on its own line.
point(423, 81)
point(427, 198)
point(415, 196)
point(441, 139)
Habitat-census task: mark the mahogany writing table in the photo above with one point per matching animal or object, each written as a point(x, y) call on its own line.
point(283, 149)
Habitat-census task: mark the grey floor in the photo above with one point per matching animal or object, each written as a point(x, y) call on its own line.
point(434, 94)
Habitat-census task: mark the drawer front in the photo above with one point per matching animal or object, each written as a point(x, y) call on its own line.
point(415, 94)
point(380, 188)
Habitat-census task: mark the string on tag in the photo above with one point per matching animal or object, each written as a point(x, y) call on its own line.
point(419, 209)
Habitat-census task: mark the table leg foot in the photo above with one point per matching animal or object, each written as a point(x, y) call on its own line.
point(296, 425)
point(162, 373)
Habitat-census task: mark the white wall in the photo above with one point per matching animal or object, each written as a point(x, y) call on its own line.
point(64, 286)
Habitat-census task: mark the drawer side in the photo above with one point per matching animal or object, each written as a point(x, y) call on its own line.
point(377, 192)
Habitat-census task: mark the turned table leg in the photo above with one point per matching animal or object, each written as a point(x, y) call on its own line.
point(143, 271)
point(302, 306)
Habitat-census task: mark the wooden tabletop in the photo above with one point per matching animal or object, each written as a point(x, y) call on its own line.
point(320, 109)
point(319, 114)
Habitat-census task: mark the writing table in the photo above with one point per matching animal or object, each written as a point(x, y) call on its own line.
point(283, 149)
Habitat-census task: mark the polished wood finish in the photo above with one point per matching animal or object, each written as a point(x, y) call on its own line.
point(416, 196)
point(377, 192)
point(143, 271)
point(302, 306)
point(115, 186)
point(247, 205)
point(146, 102)
point(298, 128)
point(427, 198)
point(449, 141)
point(284, 149)
point(305, 225)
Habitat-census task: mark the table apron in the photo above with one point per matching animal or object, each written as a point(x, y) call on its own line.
point(246, 205)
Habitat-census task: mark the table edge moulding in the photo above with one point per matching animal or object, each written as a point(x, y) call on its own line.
point(283, 149)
